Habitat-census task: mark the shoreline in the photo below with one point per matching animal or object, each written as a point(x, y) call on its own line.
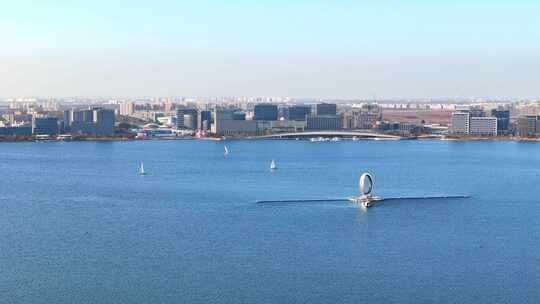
point(123, 139)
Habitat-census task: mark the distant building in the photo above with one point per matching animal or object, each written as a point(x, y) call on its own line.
point(88, 115)
point(477, 111)
point(265, 112)
point(190, 121)
point(169, 121)
point(483, 126)
point(462, 108)
point(368, 116)
point(103, 122)
point(180, 120)
point(386, 126)
point(503, 120)
point(265, 127)
point(459, 123)
point(327, 122)
point(239, 115)
point(45, 126)
point(25, 130)
point(325, 109)
point(299, 112)
point(204, 120)
point(235, 128)
point(82, 122)
point(20, 118)
point(225, 125)
point(528, 126)
point(401, 128)
point(365, 117)
point(223, 114)
point(435, 129)
point(127, 108)
point(473, 122)
point(283, 112)
point(75, 116)
point(64, 124)
point(92, 122)
point(180, 115)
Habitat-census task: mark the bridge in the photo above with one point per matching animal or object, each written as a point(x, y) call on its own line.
point(313, 134)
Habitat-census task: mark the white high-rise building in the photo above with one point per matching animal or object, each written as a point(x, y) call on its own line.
point(483, 126)
point(460, 123)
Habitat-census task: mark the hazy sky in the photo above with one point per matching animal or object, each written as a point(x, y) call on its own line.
point(341, 49)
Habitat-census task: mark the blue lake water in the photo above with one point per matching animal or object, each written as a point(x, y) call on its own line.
point(79, 225)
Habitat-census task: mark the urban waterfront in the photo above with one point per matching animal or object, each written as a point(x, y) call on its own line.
point(79, 225)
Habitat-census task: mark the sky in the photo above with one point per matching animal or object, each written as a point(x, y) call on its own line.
point(297, 48)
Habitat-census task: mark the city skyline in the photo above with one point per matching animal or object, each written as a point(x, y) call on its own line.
point(309, 49)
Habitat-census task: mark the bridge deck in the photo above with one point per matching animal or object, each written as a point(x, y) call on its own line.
point(330, 133)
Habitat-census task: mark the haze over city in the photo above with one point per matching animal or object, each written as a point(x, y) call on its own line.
point(323, 49)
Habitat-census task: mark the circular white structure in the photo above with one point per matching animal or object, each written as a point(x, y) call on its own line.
point(366, 180)
point(366, 188)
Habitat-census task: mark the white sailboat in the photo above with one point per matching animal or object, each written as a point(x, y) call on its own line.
point(226, 150)
point(273, 165)
point(141, 170)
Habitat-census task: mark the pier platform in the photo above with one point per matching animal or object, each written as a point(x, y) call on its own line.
point(303, 200)
point(366, 198)
point(363, 200)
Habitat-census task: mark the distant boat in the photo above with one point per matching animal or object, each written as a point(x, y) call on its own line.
point(226, 150)
point(273, 165)
point(141, 170)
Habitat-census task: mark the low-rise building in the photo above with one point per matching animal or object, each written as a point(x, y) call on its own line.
point(238, 128)
point(169, 121)
point(280, 126)
point(324, 122)
point(225, 125)
point(473, 122)
point(45, 126)
point(528, 126)
point(483, 126)
point(401, 128)
point(24, 130)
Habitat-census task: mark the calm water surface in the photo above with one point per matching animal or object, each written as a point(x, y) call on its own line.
point(78, 225)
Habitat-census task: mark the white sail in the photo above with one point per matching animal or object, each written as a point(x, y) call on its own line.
point(273, 165)
point(226, 150)
point(141, 170)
